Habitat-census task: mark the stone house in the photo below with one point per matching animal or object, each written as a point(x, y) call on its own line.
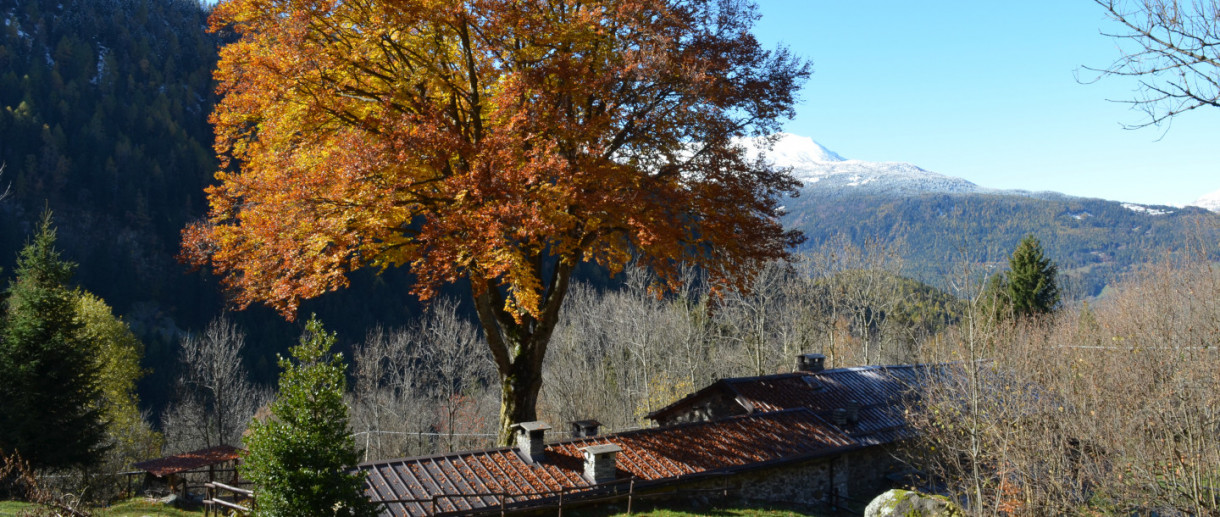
point(813, 436)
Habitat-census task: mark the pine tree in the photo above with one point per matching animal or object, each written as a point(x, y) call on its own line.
point(299, 457)
point(49, 397)
point(1032, 279)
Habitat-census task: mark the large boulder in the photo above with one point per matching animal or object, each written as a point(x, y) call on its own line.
point(905, 503)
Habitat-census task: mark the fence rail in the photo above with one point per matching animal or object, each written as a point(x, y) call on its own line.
point(214, 503)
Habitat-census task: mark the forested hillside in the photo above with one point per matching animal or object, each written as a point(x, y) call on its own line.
point(1093, 240)
point(103, 119)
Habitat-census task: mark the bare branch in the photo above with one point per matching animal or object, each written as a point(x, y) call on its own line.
point(1173, 48)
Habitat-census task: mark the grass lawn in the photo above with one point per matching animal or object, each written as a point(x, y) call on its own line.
point(140, 507)
point(726, 512)
point(730, 508)
point(137, 507)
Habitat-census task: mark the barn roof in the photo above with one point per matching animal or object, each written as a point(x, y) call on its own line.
point(162, 467)
point(877, 390)
point(655, 455)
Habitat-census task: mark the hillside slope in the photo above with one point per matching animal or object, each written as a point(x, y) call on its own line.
point(939, 220)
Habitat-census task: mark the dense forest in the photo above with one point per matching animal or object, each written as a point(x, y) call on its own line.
point(103, 120)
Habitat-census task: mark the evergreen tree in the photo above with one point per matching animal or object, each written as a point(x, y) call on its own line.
point(299, 457)
point(49, 397)
point(1032, 284)
point(995, 303)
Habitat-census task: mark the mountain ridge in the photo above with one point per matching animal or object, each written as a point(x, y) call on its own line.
point(827, 173)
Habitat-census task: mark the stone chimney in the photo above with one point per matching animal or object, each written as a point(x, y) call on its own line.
point(839, 417)
point(531, 440)
point(585, 428)
point(811, 363)
point(599, 462)
point(853, 412)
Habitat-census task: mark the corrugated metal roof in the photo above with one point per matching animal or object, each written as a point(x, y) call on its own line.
point(162, 467)
point(878, 390)
point(471, 481)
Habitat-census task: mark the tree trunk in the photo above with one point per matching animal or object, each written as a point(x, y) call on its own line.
point(518, 345)
point(518, 397)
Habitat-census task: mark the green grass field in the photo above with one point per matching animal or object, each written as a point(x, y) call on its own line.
point(137, 507)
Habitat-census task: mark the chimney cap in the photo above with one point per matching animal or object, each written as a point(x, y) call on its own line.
point(605, 448)
point(530, 427)
point(586, 423)
point(585, 428)
point(810, 362)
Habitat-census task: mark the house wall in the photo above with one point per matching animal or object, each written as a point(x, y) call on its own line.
point(858, 476)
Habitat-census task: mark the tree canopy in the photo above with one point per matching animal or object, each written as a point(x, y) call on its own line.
point(496, 141)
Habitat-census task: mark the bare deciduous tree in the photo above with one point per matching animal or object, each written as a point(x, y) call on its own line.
point(7, 188)
point(215, 396)
point(1172, 48)
point(1112, 407)
point(460, 369)
point(423, 389)
point(390, 410)
point(767, 323)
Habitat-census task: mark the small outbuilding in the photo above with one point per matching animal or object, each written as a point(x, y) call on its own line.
point(218, 463)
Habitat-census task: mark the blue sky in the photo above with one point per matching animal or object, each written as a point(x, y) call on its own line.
point(987, 91)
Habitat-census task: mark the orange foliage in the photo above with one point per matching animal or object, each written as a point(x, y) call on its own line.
point(490, 139)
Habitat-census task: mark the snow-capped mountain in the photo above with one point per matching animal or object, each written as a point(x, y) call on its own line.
point(827, 173)
point(1209, 201)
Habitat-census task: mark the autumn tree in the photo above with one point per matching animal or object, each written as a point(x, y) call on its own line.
point(1172, 48)
point(496, 142)
point(117, 353)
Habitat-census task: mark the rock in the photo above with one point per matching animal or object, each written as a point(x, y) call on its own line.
point(905, 503)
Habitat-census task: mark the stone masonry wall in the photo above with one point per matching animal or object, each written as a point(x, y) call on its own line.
point(856, 475)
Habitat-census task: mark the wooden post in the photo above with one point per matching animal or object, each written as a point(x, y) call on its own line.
point(630, 492)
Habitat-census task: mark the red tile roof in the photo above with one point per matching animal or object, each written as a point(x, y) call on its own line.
point(162, 467)
point(472, 481)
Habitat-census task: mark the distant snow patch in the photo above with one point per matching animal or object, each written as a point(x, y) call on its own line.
point(1209, 201)
point(856, 180)
point(1080, 215)
point(1146, 209)
point(101, 64)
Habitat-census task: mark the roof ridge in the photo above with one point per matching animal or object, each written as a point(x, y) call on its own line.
point(844, 369)
point(598, 438)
